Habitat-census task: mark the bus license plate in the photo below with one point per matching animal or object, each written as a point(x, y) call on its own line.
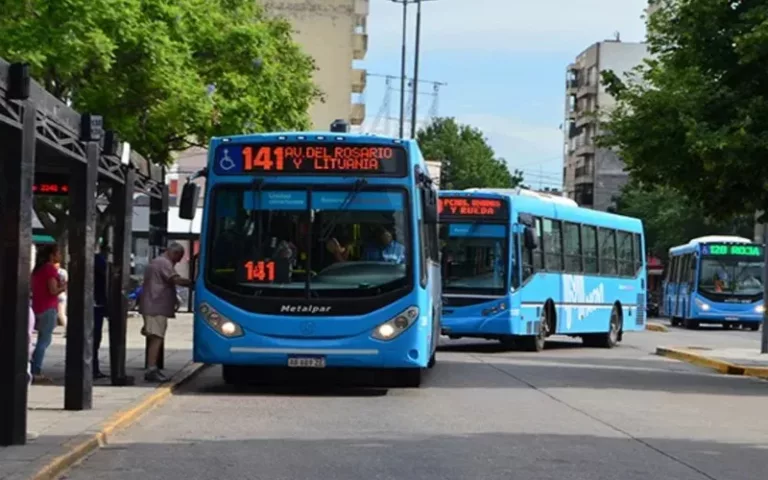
point(306, 362)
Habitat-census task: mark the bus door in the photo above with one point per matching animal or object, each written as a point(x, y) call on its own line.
point(670, 286)
point(684, 285)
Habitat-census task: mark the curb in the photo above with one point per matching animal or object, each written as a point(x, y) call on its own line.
point(120, 420)
point(720, 366)
point(656, 327)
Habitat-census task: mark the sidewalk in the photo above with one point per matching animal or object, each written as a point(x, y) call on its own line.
point(55, 432)
point(730, 361)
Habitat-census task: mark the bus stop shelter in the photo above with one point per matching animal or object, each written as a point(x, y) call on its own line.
point(46, 145)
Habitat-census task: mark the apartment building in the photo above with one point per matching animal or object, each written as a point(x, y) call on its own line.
point(593, 176)
point(334, 33)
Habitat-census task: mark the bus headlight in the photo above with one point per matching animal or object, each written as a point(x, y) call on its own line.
point(760, 309)
point(703, 306)
point(221, 324)
point(397, 325)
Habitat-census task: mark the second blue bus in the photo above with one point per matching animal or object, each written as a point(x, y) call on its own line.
point(318, 250)
point(521, 266)
point(715, 280)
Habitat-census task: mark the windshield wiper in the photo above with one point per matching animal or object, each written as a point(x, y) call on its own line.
point(360, 183)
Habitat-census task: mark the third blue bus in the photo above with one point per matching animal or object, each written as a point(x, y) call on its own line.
point(715, 280)
point(520, 266)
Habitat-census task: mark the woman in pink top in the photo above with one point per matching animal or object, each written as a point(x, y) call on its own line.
point(46, 287)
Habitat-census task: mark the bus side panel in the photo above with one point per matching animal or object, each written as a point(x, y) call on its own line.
point(487, 319)
point(585, 304)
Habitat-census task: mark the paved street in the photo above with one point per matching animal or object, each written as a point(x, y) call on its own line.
point(567, 413)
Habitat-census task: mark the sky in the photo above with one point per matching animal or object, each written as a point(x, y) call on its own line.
point(503, 63)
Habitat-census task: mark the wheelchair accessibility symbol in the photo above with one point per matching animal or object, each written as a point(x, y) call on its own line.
point(225, 162)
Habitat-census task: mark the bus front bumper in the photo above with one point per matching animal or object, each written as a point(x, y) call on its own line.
point(409, 350)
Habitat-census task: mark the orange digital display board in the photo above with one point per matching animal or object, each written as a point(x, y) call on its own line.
point(262, 271)
point(467, 207)
point(292, 158)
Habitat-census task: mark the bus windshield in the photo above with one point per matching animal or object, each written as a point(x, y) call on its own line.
point(474, 258)
point(731, 275)
point(308, 244)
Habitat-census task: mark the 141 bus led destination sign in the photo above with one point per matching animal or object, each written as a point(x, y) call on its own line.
point(472, 207)
point(739, 249)
point(304, 158)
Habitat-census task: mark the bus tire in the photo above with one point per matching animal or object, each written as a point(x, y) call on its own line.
point(690, 324)
point(754, 327)
point(232, 374)
point(536, 343)
point(410, 377)
point(432, 360)
point(610, 338)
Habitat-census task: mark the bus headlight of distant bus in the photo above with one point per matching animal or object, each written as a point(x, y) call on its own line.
point(397, 325)
point(221, 324)
point(703, 306)
point(760, 309)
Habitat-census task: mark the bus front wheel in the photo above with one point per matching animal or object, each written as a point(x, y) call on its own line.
point(536, 343)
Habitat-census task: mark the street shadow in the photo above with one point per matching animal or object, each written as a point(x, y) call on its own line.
point(298, 453)
point(587, 373)
point(491, 346)
point(330, 382)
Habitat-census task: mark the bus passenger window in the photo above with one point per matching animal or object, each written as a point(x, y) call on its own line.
point(626, 262)
point(607, 239)
point(538, 258)
point(572, 247)
point(553, 245)
point(589, 237)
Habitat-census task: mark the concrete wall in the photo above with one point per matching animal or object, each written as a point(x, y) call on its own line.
point(326, 31)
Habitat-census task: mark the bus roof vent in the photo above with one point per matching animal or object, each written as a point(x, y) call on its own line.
point(340, 126)
point(720, 239)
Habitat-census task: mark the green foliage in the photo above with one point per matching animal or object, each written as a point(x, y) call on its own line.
point(670, 218)
point(468, 160)
point(698, 121)
point(146, 65)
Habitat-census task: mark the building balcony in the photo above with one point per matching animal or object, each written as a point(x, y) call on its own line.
point(585, 118)
point(584, 149)
point(359, 45)
point(357, 114)
point(359, 78)
point(585, 90)
point(362, 8)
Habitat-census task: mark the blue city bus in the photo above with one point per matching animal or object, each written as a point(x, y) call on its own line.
point(318, 250)
point(520, 266)
point(715, 280)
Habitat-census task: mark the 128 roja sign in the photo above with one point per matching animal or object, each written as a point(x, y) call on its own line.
point(471, 207)
point(314, 158)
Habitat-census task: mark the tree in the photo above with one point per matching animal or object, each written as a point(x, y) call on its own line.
point(166, 74)
point(670, 218)
point(698, 119)
point(468, 160)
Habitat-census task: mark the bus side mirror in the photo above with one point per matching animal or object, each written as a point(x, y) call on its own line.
point(429, 203)
point(189, 197)
point(529, 238)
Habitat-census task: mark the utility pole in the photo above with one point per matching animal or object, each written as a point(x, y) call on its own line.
point(402, 65)
point(416, 69)
point(764, 336)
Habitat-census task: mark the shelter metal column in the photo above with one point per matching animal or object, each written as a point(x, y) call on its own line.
point(78, 383)
point(120, 279)
point(17, 167)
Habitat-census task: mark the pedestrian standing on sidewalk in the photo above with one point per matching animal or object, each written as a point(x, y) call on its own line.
point(46, 287)
point(158, 303)
point(62, 307)
point(100, 306)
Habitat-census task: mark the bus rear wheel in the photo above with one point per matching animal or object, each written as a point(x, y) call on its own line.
point(610, 338)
